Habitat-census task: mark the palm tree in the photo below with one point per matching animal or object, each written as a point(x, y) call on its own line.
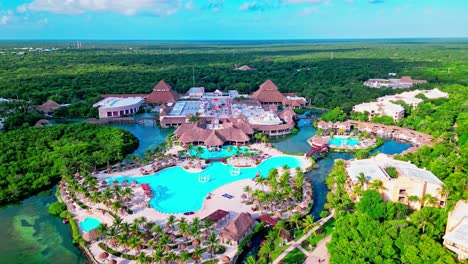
point(182, 225)
point(213, 244)
point(362, 180)
point(250, 260)
point(184, 255)
point(248, 190)
point(125, 228)
point(123, 240)
point(142, 258)
point(127, 194)
point(171, 221)
point(171, 256)
point(413, 199)
point(265, 251)
point(295, 219)
point(424, 218)
point(308, 223)
point(428, 199)
point(102, 230)
point(115, 206)
point(197, 254)
point(377, 185)
point(116, 191)
point(199, 150)
point(158, 255)
point(135, 243)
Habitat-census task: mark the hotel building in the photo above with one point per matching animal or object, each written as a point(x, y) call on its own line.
point(410, 181)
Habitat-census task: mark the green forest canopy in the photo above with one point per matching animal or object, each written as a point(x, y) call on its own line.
point(33, 159)
point(306, 68)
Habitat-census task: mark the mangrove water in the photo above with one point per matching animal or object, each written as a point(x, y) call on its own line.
point(30, 235)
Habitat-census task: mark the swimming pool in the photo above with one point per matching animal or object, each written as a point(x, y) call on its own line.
point(178, 191)
point(89, 223)
point(339, 141)
point(224, 152)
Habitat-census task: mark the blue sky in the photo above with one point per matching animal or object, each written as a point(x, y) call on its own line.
point(231, 19)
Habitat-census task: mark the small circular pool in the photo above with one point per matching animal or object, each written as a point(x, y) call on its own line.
point(89, 223)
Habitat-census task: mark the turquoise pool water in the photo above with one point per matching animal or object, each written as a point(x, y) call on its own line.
point(338, 141)
point(178, 191)
point(89, 223)
point(224, 152)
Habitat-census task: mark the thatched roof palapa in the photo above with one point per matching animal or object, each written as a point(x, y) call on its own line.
point(238, 227)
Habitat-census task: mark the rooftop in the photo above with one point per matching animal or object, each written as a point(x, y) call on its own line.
point(111, 102)
point(459, 235)
point(374, 168)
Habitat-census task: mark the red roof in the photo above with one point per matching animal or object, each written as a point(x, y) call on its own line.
point(162, 93)
point(216, 215)
point(268, 93)
point(268, 220)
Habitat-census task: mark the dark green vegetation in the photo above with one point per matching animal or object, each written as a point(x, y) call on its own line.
point(378, 233)
point(18, 115)
point(34, 159)
point(308, 68)
point(447, 121)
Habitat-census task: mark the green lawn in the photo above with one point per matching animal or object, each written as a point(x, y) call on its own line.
point(294, 257)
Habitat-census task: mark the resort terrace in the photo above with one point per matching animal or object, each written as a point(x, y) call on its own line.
point(417, 139)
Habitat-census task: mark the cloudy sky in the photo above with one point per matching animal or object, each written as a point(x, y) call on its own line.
point(231, 19)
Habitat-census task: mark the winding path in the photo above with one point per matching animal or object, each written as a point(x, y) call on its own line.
point(297, 244)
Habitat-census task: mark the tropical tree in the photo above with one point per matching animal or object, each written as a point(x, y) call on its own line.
point(377, 185)
point(362, 180)
point(430, 200)
point(413, 199)
point(197, 254)
point(295, 218)
point(308, 223)
point(250, 260)
point(184, 256)
point(213, 244)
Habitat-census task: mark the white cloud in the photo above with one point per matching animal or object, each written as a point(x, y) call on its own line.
point(125, 7)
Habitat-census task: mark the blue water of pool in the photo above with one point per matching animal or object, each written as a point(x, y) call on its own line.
point(89, 223)
point(224, 152)
point(177, 190)
point(338, 141)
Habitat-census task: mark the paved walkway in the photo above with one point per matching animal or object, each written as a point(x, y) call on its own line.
point(320, 253)
point(297, 244)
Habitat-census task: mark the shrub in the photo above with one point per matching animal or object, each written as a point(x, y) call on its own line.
point(324, 213)
point(57, 208)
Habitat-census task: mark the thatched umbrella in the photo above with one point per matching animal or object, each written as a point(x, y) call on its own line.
point(226, 259)
point(278, 214)
point(104, 183)
point(304, 204)
point(113, 242)
point(103, 255)
point(196, 243)
point(172, 237)
point(298, 208)
point(115, 182)
point(289, 212)
point(134, 183)
point(256, 202)
point(112, 261)
point(182, 246)
point(258, 174)
point(244, 196)
point(91, 235)
point(166, 229)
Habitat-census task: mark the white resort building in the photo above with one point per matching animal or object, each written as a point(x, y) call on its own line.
point(116, 106)
point(456, 233)
point(381, 108)
point(386, 105)
point(403, 82)
point(410, 182)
